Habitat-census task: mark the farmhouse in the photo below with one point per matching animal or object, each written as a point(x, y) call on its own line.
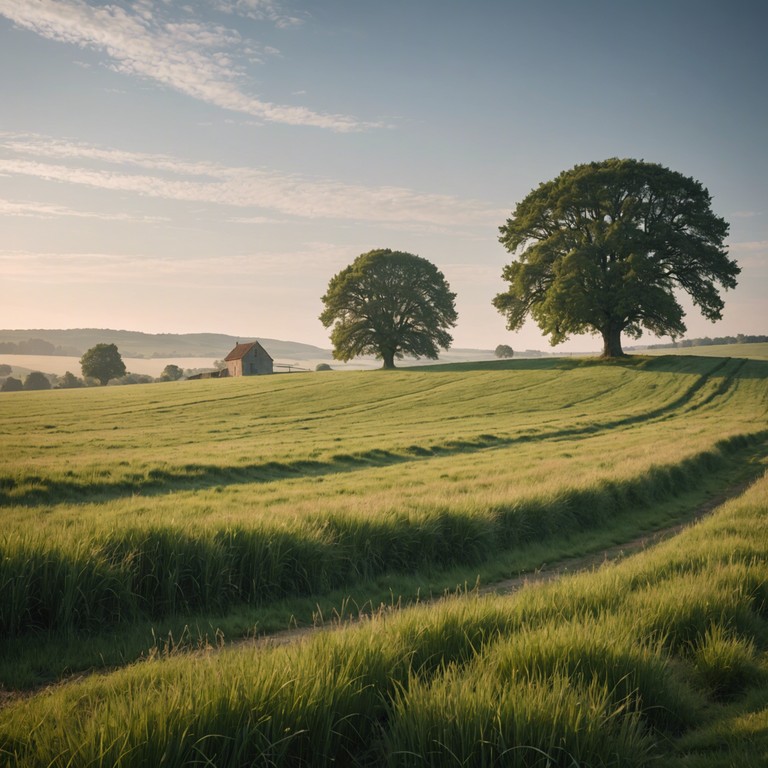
point(249, 359)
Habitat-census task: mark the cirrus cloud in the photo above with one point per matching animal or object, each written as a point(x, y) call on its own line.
point(165, 177)
point(37, 210)
point(203, 60)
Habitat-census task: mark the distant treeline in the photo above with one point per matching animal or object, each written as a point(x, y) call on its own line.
point(36, 347)
point(707, 342)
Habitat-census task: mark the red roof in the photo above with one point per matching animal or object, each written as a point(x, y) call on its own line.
point(241, 350)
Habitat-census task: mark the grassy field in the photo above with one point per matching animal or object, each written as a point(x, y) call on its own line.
point(758, 351)
point(129, 513)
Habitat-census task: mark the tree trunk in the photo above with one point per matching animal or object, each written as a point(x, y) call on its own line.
point(389, 359)
point(612, 342)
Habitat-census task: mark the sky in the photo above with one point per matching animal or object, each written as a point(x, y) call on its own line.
point(209, 165)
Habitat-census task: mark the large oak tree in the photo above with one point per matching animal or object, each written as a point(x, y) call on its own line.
point(603, 247)
point(389, 304)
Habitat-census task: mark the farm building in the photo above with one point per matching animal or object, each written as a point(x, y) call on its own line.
point(249, 359)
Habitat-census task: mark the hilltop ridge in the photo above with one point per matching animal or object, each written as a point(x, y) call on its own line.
point(75, 341)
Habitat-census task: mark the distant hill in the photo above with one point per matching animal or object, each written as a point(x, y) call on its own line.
point(132, 344)
point(75, 341)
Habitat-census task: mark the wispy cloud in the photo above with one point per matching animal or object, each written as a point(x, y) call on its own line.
point(203, 60)
point(260, 10)
point(71, 268)
point(161, 176)
point(312, 259)
point(256, 220)
point(36, 210)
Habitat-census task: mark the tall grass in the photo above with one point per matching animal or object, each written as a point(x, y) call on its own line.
point(477, 720)
point(88, 582)
point(574, 673)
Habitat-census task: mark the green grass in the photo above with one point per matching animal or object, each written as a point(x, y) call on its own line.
point(579, 672)
point(208, 434)
point(313, 484)
point(159, 522)
point(96, 573)
point(758, 351)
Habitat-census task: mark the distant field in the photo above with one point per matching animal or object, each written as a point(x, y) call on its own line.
point(144, 505)
point(149, 353)
point(757, 351)
point(60, 364)
point(153, 366)
point(309, 358)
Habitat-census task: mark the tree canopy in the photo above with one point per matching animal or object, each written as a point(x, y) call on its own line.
point(12, 384)
point(602, 248)
point(102, 362)
point(70, 381)
point(36, 380)
point(504, 350)
point(389, 304)
point(171, 372)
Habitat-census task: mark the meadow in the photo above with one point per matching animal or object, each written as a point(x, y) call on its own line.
point(129, 511)
point(756, 351)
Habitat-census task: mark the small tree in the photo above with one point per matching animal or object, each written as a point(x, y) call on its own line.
point(323, 367)
point(504, 350)
point(389, 304)
point(70, 381)
point(102, 362)
point(171, 372)
point(12, 385)
point(36, 380)
point(5, 370)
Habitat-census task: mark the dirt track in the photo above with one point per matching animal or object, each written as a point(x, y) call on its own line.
point(547, 572)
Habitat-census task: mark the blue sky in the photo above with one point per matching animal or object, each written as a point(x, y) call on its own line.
point(209, 165)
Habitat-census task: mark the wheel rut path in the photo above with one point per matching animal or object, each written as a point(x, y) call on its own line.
point(547, 572)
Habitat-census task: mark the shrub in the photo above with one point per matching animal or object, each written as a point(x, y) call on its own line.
point(171, 372)
point(133, 378)
point(70, 381)
point(12, 385)
point(36, 380)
